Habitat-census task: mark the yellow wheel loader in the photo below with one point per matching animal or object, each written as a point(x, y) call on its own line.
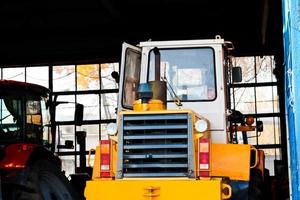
point(175, 136)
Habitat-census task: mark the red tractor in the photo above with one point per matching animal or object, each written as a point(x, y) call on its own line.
point(29, 168)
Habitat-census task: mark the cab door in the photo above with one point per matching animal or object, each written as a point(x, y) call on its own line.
point(130, 76)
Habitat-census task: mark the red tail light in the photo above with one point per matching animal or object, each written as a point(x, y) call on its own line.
point(204, 157)
point(104, 159)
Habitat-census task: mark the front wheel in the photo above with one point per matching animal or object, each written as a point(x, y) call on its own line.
point(44, 181)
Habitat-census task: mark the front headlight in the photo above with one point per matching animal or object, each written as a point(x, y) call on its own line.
point(201, 125)
point(112, 129)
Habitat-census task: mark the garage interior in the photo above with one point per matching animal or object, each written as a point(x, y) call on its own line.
point(72, 47)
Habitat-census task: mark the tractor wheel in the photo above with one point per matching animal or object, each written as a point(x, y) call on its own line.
point(44, 181)
point(256, 185)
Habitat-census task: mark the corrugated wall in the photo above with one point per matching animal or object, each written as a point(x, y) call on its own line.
point(291, 34)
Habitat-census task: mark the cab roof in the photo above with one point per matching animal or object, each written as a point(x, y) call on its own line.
point(18, 88)
point(182, 42)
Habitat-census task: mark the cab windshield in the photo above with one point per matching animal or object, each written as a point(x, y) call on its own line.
point(18, 124)
point(189, 73)
point(10, 119)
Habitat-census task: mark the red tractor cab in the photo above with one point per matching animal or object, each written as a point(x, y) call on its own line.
point(29, 167)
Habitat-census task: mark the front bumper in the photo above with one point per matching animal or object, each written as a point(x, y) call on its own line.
point(157, 189)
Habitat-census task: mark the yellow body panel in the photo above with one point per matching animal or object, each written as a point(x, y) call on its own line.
point(154, 190)
point(153, 105)
point(231, 160)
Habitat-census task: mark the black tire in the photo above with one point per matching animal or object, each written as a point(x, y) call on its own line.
point(44, 181)
point(256, 185)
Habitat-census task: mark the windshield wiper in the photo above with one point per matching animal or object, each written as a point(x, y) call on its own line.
point(172, 92)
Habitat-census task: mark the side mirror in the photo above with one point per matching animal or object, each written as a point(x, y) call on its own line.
point(237, 74)
point(68, 145)
point(259, 126)
point(116, 76)
point(78, 114)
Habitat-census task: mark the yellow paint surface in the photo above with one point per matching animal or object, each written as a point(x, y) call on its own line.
point(230, 160)
point(154, 189)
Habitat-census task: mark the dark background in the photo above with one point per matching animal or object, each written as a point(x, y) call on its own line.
point(72, 31)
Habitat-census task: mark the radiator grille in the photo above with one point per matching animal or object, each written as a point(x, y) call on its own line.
point(155, 145)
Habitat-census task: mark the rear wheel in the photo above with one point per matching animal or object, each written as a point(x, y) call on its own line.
point(44, 181)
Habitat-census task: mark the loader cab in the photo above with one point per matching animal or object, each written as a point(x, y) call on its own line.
point(194, 73)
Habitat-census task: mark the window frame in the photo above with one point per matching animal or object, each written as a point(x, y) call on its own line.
point(214, 68)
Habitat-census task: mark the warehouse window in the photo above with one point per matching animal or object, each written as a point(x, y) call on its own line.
point(38, 75)
point(88, 77)
point(91, 106)
point(88, 84)
point(16, 74)
point(257, 96)
point(63, 78)
point(65, 111)
point(92, 86)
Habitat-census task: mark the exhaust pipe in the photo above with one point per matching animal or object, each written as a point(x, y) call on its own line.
point(157, 63)
point(158, 87)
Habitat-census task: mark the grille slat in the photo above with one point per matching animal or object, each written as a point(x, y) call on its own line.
point(154, 127)
point(154, 156)
point(155, 145)
point(144, 137)
point(153, 117)
point(155, 165)
point(162, 146)
point(154, 174)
